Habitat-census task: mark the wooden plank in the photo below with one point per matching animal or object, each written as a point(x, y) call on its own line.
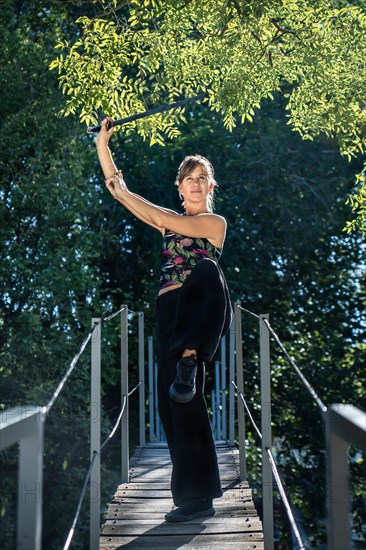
point(231, 494)
point(156, 470)
point(161, 460)
point(166, 504)
point(211, 525)
point(172, 542)
point(157, 511)
point(161, 486)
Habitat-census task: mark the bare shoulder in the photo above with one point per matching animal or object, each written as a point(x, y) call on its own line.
point(218, 220)
point(217, 229)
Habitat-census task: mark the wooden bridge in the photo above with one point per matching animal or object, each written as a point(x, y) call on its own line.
point(135, 517)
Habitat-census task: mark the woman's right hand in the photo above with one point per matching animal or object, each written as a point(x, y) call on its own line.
point(105, 134)
point(116, 185)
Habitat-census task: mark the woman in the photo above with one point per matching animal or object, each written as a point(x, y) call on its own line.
point(193, 313)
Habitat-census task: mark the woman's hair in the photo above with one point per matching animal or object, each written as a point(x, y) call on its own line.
point(188, 165)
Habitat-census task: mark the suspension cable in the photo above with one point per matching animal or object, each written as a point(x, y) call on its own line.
point(75, 360)
point(284, 498)
point(107, 440)
point(112, 433)
point(248, 411)
point(68, 372)
point(135, 388)
point(82, 495)
point(275, 475)
point(112, 315)
point(310, 389)
point(249, 312)
point(87, 477)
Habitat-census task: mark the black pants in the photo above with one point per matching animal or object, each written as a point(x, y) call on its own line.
point(194, 316)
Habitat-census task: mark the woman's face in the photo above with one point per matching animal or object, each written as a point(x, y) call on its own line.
point(196, 185)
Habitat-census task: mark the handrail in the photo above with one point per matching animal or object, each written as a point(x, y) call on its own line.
point(307, 385)
point(276, 476)
point(25, 425)
point(344, 424)
point(18, 425)
point(95, 453)
point(76, 358)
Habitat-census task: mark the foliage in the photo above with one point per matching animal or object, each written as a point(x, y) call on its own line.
point(53, 226)
point(237, 53)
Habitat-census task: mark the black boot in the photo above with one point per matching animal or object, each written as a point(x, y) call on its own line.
point(183, 388)
point(191, 509)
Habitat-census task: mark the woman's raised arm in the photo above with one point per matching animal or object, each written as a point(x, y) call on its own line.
point(205, 225)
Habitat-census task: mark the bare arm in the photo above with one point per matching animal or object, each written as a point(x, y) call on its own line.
point(110, 169)
point(205, 225)
point(104, 153)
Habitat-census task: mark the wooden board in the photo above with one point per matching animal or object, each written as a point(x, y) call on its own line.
point(172, 542)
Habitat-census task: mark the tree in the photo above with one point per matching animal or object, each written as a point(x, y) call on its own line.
point(236, 53)
point(53, 226)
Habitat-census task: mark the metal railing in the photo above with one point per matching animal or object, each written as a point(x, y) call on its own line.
point(25, 425)
point(344, 425)
point(123, 419)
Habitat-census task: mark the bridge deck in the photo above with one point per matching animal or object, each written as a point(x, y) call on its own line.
point(135, 517)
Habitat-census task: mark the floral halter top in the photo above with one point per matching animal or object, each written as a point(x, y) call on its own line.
point(180, 254)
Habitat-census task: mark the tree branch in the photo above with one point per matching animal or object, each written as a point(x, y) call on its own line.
point(276, 23)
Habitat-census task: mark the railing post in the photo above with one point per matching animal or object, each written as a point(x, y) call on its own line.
point(267, 480)
point(95, 424)
point(30, 479)
point(124, 395)
point(231, 387)
point(150, 363)
point(157, 417)
point(25, 424)
point(141, 336)
point(223, 388)
point(218, 401)
point(240, 386)
point(344, 424)
point(337, 490)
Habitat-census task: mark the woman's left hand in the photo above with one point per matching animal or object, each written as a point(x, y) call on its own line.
point(116, 185)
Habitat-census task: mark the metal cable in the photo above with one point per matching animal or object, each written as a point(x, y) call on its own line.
point(116, 424)
point(68, 372)
point(87, 477)
point(249, 312)
point(135, 388)
point(82, 494)
point(276, 476)
point(310, 389)
point(112, 315)
point(106, 441)
point(284, 498)
point(248, 411)
point(74, 362)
